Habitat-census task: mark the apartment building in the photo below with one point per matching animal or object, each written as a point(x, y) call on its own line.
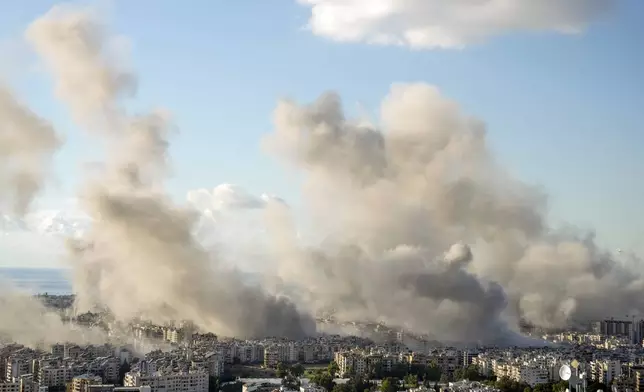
point(271, 357)
point(54, 376)
point(81, 383)
point(605, 371)
point(639, 378)
point(9, 386)
point(532, 374)
point(169, 382)
point(17, 366)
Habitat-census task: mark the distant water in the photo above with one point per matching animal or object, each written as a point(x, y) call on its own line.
point(37, 280)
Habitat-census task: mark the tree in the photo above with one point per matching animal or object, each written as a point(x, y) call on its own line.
point(398, 370)
point(297, 370)
point(559, 386)
point(389, 384)
point(333, 368)
point(472, 373)
point(527, 389)
point(213, 384)
point(411, 381)
point(376, 371)
point(444, 379)
point(506, 384)
point(290, 382)
point(323, 379)
point(433, 372)
point(346, 387)
point(360, 383)
point(282, 370)
point(231, 387)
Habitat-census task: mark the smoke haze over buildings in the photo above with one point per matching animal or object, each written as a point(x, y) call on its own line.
point(395, 198)
point(424, 229)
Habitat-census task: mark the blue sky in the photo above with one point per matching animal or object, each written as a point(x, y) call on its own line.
point(563, 111)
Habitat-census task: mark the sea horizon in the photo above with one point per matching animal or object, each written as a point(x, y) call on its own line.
point(37, 280)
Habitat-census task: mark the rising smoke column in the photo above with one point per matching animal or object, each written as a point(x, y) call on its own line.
point(27, 146)
point(140, 258)
point(395, 200)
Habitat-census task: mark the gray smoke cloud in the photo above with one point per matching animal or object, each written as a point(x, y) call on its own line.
point(426, 231)
point(27, 321)
point(140, 258)
point(27, 146)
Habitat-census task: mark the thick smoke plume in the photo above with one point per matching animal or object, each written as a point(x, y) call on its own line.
point(27, 146)
point(140, 258)
point(27, 321)
point(426, 231)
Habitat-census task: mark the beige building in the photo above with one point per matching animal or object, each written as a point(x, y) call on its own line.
point(82, 383)
point(169, 382)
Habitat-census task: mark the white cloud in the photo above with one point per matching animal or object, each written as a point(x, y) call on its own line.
point(227, 197)
point(427, 24)
point(37, 240)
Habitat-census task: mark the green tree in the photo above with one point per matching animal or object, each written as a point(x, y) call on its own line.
point(398, 370)
point(282, 370)
point(411, 381)
point(231, 387)
point(345, 387)
point(559, 386)
point(323, 379)
point(297, 370)
point(290, 382)
point(389, 384)
point(527, 389)
point(333, 368)
point(506, 384)
point(213, 384)
point(472, 373)
point(376, 371)
point(433, 372)
point(360, 383)
point(459, 374)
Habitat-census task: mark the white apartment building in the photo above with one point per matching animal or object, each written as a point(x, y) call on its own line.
point(533, 374)
point(349, 363)
point(16, 367)
point(271, 357)
point(605, 371)
point(170, 382)
point(52, 376)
